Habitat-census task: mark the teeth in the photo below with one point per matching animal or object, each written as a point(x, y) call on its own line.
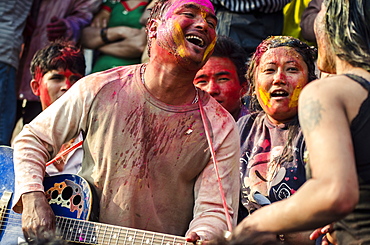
point(279, 93)
point(200, 43)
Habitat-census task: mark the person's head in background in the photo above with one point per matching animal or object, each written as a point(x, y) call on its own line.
point(54, 69)
point(277, 73)
point(223, 76)
point(344, 35)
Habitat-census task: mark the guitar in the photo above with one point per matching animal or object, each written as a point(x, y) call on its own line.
point(71, 199)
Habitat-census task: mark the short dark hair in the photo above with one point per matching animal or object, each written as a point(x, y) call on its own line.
point(226, 47)
point(58, 54)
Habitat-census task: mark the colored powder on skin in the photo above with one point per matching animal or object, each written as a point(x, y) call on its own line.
point(294, 99)
point(178, 3)
point(38, 74)
point(204, 15)
point(67, 73)
point(213, 43)
point(209, 48)
point(179, 38)
point(43, 90)
point(265, 97)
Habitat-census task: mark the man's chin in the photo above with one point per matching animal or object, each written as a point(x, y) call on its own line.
point(191, 64)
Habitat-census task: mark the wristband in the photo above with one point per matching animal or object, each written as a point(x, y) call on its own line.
point(103, 35)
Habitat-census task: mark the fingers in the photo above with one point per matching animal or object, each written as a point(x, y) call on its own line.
point(325, 241)
point(327, 229)
point(38, 218)
point(321, 231)
point(57, 28)
point(99, 23)
point(192, 237)
point(54, 19)
point(38, 228)
point(315, 234)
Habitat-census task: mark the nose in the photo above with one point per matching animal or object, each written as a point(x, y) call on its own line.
point(213, 88)
point(201, 22)
point(66, 84)
point(279, 78)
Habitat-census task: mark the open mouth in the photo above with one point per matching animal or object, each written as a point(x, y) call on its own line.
point(279, 93)
point(195, 40)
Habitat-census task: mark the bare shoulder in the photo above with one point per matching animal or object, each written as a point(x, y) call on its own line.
point(312, 100)
point(333, 97)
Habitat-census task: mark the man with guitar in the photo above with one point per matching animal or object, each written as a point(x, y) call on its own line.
point(149, 135)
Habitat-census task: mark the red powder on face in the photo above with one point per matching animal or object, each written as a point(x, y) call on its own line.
point(38, 74)
point(43, 91)
point(220, 79)
point(44, 95)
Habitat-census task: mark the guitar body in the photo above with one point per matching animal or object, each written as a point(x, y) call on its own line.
point(69, 196)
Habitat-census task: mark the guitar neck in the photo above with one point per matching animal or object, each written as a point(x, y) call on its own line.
point(88, 232)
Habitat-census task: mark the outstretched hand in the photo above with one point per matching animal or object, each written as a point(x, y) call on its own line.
point(56, 29)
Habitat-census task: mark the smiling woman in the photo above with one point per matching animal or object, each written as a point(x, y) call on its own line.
point(272, 144)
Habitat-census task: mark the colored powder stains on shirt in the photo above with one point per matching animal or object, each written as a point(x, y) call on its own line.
point(113, 94)
point(160, 166)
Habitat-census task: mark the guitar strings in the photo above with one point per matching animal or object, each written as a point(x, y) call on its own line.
point(87, 231)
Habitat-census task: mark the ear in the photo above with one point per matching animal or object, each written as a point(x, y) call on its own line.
point(152, 28)
point(35, 86)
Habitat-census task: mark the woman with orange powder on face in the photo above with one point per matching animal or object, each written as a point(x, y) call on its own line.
point(272, 144)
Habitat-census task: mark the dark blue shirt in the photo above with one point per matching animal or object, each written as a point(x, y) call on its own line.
point(262, 143)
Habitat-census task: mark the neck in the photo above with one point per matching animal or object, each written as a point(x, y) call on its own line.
point(236, 113)
point(171, 85)
point(343, 67)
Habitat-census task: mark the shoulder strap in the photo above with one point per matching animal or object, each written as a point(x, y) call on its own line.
point(213, 154)
point(364, 83)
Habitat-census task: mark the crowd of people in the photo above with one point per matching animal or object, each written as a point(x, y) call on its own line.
point(226, 133)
